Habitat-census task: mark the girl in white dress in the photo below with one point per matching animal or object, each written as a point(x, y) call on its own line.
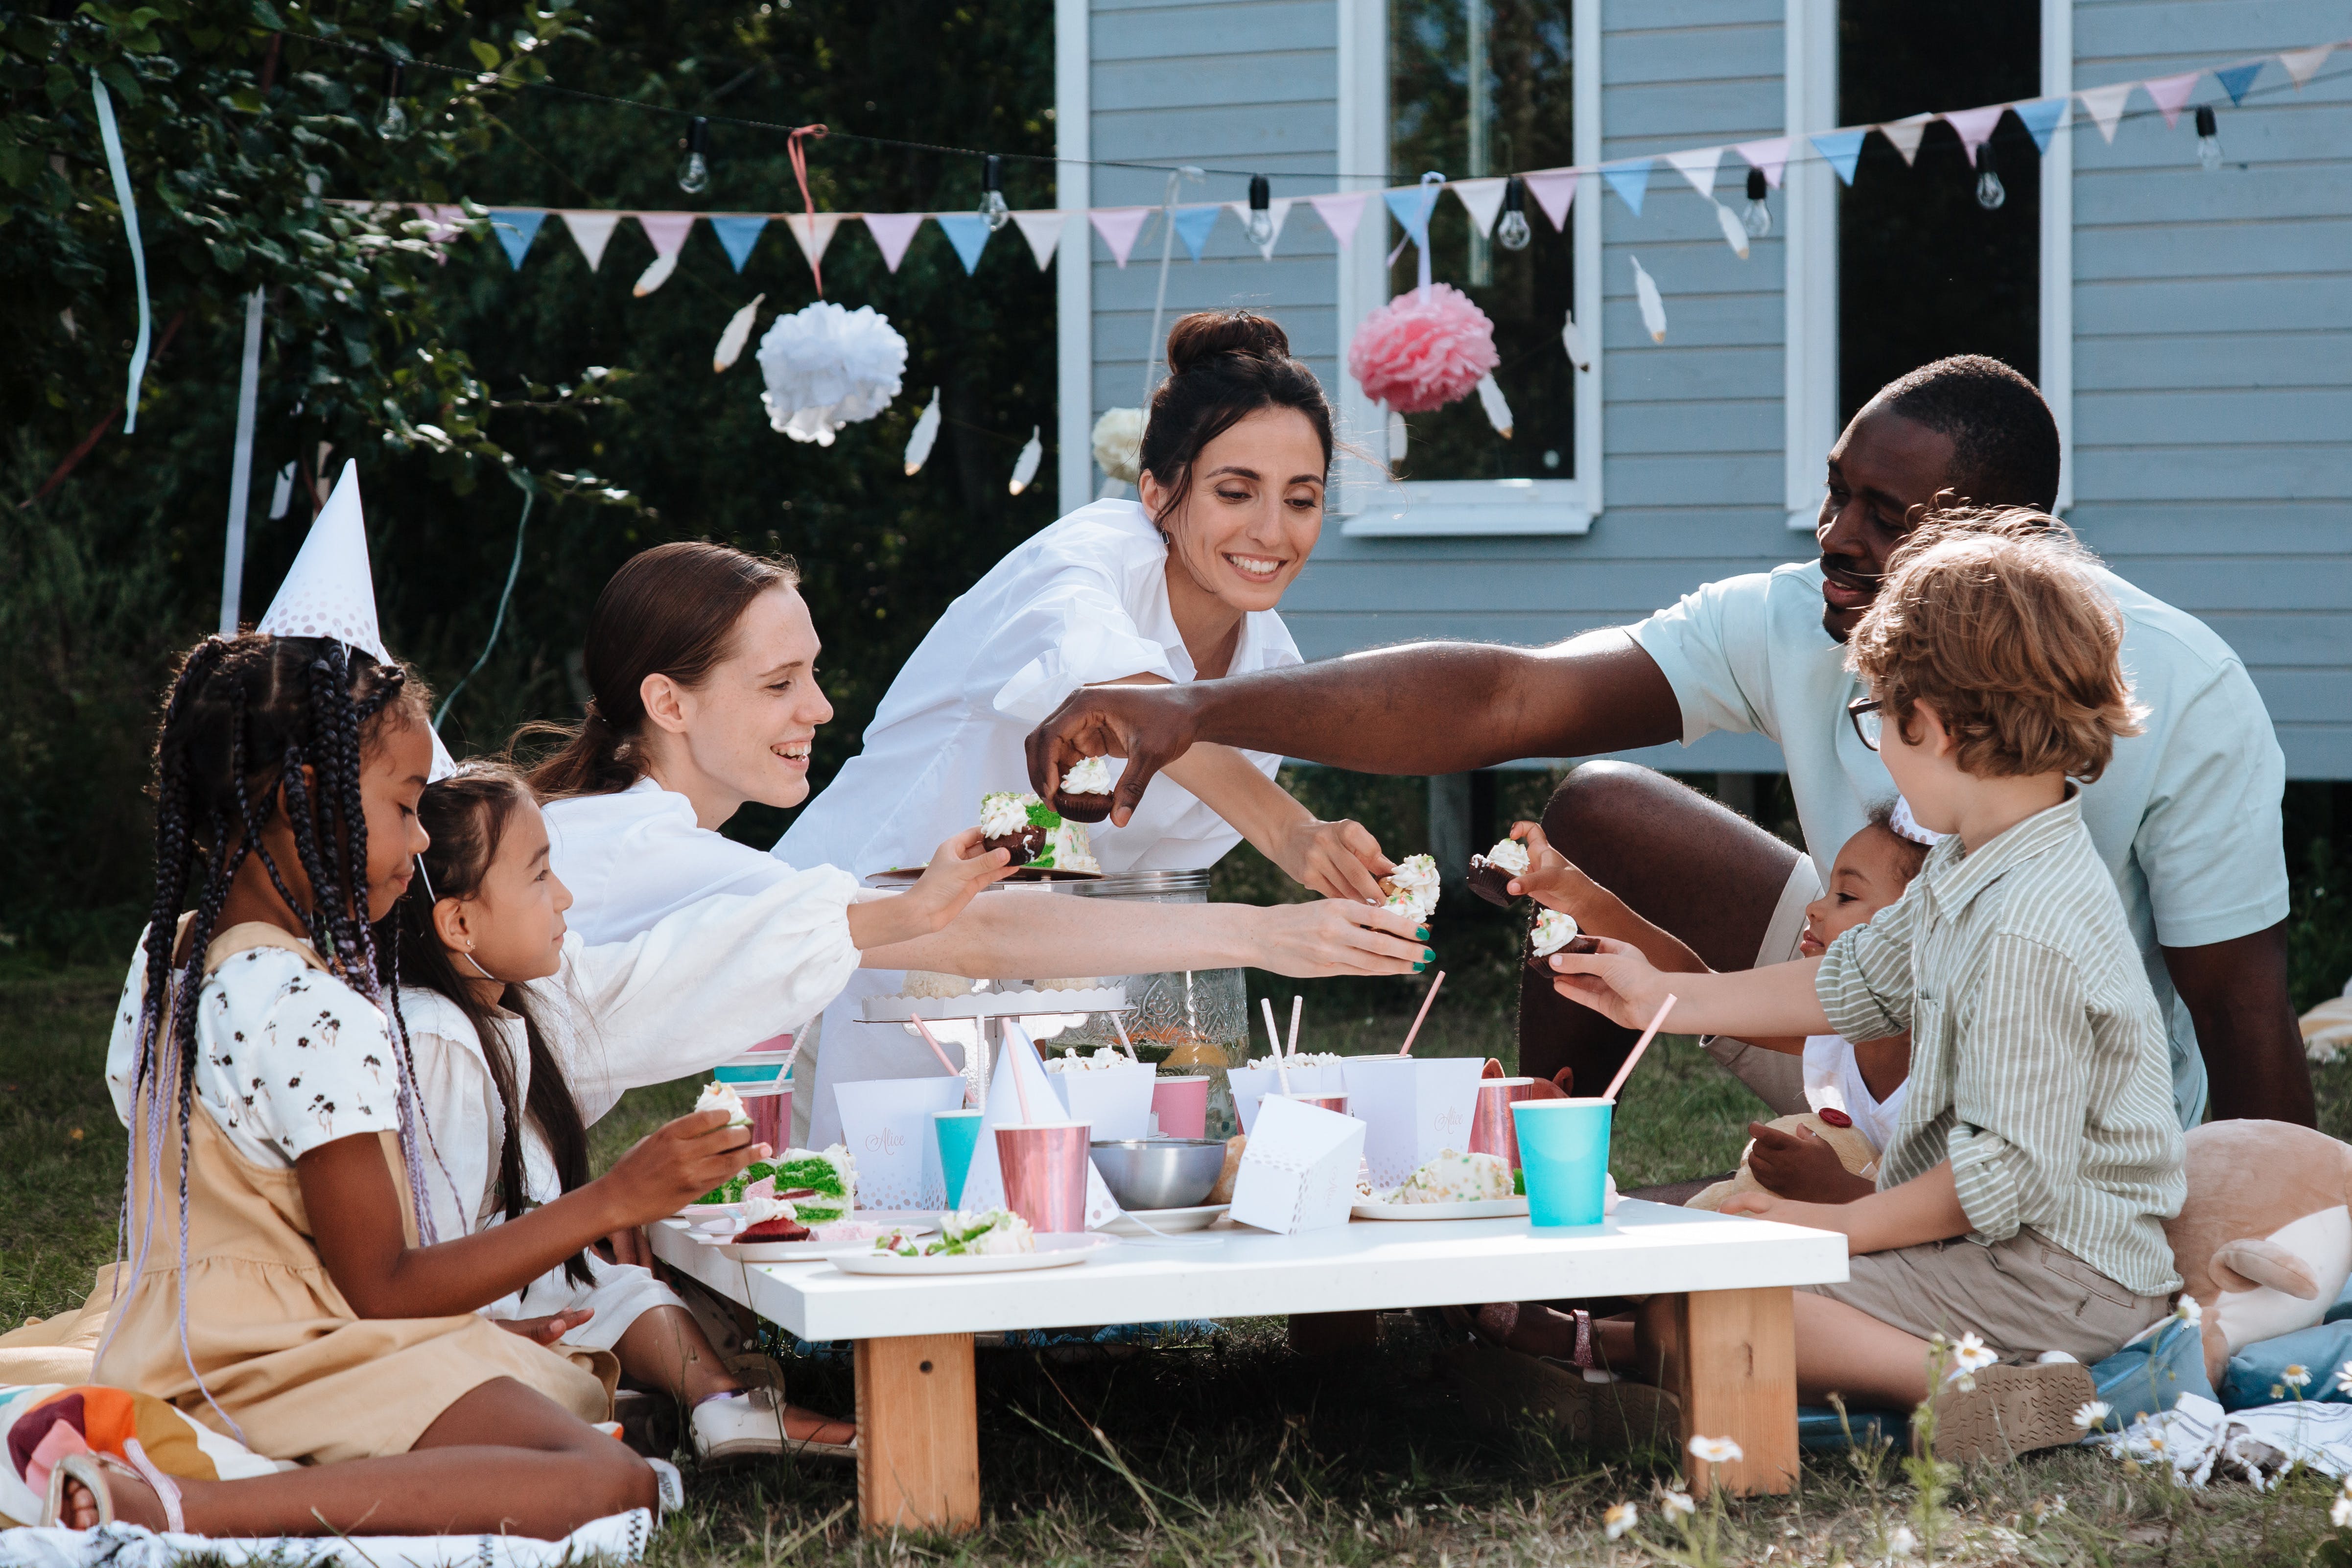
point(523, 1036)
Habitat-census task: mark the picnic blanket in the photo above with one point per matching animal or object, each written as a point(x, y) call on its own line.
point(2199, 1439)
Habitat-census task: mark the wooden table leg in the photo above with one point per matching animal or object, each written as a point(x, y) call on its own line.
point(1738, 1378)
point(1328, 1334)
point(917, 1434)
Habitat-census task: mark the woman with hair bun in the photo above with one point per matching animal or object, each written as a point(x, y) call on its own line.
point(1183, 586)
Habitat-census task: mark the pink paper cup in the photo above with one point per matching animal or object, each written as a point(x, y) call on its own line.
point(772, 1115)
point(1492, 1131)
point(1045, 1175)
point(1183, 1106)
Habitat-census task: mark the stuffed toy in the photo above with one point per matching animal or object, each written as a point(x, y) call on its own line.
point(2264, 1243)
point(1833, 1127)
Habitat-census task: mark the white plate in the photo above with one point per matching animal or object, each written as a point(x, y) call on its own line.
point(1478, 1208)
point(697, 1212)
point(923, 1222)
point(1168, 1221)
point(1053, 1253)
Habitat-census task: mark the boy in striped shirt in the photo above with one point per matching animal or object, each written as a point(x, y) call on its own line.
point(2022, 1200)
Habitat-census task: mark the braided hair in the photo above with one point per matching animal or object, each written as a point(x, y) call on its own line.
point(466, 816)
point(244, 718)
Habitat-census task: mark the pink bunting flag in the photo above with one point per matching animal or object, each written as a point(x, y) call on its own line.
point(2171, 93)
point(1771, 156)
point(2304, 64)
point(446, 222)
point(1554, 189)
point(2105, 105)
point(893, 233)
point(1975, 125)
point(1342, 214)
point(1120, 228)
point(666, 230)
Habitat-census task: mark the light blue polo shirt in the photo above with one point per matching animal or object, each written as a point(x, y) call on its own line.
point(2185, 816)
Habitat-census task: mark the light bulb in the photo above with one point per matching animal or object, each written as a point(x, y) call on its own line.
point(693, 170)
point(2209, 139)
point(392, 123)
point(1512, 232)
point(992, 200)
point(1990, 192)
point(1756, 217)
point(1260, 224)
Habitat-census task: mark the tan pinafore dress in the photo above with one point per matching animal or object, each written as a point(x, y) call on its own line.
point(278, 1348)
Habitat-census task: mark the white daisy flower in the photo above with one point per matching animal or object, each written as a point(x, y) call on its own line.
point(2340, 1512)
point(1620, 1519)
point(2189, 1311)
point(2093, 1412)
point(1902, 1543)
point(2296, 1375)
point(1716, 1450)
point(1973, 1355)
point(1676, 1502)
point(2344, 1378)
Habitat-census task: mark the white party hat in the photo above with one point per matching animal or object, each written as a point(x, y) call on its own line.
point(329, 590)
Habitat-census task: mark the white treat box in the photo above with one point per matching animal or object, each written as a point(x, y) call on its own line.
point(1298, 1171)
point(1412, 1109)
point(1116, 1102)
point(1251, 1085)
point(886, 1124)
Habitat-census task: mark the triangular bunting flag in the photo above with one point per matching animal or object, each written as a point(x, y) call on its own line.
point(1482, 199)
point(1699, 167)
point(1554, 189)
point(2236, 79)
point(667, 231)
point(1119, 228)
point(1043, 231)
point(515, 230)
point(1411, 207)
point(1842, 149)
point(592, 232)
point(968, 232)
point(1905, 133)
point(737, 233)
point(2042, 116)
point(1277, 209)
point(1342, 214)
point(444, 220)
point(2171, 93)
point(801, 223)
point(2105, 105)
point(1630, 180)
point(1192, 226)
point(2304, 64)
point(893, 232)
point(1975, 125)
point(1771, 156)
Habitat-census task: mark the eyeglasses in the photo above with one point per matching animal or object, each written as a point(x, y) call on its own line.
point(1866, 722)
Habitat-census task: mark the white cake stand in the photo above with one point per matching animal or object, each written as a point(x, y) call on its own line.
point(990, 1009)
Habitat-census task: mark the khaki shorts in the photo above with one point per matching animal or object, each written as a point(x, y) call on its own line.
point(1777, 1077)
point(2021, 1296)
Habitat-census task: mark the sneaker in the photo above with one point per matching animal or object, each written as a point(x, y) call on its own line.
point(751, 1424)
point(2012, 1410)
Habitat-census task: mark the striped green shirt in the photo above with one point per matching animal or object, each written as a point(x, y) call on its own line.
point(2039, 1063)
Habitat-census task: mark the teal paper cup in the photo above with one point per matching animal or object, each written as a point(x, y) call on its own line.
point(959, 1134)
point(1564, 1150)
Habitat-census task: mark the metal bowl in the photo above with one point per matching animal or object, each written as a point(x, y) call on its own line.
point(1158, 1173)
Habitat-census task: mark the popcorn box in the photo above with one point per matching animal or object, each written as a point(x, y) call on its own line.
point(1115, 1100)
point(1298, 1171)
point(886, 1124)
point(1412, 1109)
point(1251, 1085)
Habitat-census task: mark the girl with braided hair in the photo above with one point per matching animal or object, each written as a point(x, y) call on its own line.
point(285, 1282)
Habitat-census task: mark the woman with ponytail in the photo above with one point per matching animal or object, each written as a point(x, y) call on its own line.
point(285, 1280)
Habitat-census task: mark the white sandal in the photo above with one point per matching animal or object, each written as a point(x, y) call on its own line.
point(92, 1470)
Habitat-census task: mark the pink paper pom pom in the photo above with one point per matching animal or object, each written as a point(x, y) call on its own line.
point(1422, 350)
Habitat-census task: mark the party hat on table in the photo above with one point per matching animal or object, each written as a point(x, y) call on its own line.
point(329, 590)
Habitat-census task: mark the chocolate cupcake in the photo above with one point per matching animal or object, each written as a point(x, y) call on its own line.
point(1554, 932)
point(1016, 822)
point(1085, 795)
point(1491, 873)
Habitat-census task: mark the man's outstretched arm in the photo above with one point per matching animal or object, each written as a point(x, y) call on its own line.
point(1425, 708)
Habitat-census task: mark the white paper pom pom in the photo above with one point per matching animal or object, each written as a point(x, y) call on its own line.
point(1118, 444)
point(827, 367)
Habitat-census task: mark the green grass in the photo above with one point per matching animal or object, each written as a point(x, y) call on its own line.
point(1230, 1449)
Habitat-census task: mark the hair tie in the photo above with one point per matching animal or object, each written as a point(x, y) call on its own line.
point(1903, 825)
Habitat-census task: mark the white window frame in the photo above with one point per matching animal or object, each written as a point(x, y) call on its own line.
point(1810, 393)
point(1460, 508)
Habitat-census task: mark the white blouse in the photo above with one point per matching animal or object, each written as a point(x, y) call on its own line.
point(289, 1057)
point(1833, 1079)
point(697, 988)
point(1083, 601)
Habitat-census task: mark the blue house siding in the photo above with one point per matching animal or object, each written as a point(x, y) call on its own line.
point(2213, 351)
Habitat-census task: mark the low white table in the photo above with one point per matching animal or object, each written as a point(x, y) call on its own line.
point(919, 1463)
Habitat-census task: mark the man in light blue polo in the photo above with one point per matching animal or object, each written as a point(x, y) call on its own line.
point(2186, 816)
